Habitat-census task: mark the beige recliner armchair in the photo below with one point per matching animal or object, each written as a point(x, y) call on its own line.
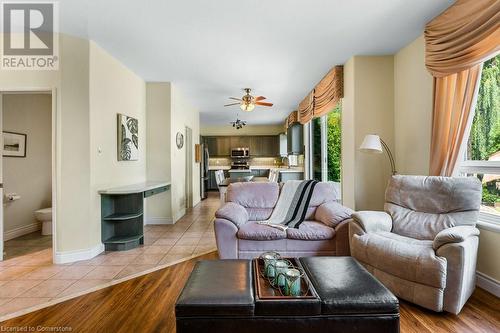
point(424, 246)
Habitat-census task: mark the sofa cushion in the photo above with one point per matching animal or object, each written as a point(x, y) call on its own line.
point(311, 230)
point(259, 214)
point(332, 213)
point(254, 231)
point(254, 194)
point(404, 257)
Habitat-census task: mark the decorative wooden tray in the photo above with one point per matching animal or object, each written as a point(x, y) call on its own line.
point(265, 291)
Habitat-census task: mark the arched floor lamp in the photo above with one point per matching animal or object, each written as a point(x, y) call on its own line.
point(373, 144)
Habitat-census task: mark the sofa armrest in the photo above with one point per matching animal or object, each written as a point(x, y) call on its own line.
point(233, 212)
point(454, 235)
point(332, 213)
point(373, 221)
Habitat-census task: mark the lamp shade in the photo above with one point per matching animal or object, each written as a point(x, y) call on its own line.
point(371, 144)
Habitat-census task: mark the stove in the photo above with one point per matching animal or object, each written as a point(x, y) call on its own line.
point(240, 165)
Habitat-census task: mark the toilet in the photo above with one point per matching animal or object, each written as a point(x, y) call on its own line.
point(45, 216)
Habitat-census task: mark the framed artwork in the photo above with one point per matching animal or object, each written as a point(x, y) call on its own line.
point(14, 144)
point(128, 138)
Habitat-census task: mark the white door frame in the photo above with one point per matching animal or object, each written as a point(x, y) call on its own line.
point(55, 169)
point(189, 166)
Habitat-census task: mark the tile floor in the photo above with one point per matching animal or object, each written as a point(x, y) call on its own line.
point(32, 279)
point(26, 244)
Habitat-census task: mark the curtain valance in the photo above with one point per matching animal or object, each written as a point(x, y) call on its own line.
point(323, 98)
point(291, 119)
point(464, 35)
point(306, 108)
point(329, 91)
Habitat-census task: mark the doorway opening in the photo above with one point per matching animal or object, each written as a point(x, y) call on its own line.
point(26, 174)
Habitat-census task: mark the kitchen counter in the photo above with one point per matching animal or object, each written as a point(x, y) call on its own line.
point(135, 188)
point(240, 171)
point(257, 167)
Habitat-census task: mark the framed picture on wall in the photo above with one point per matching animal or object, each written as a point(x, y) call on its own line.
point(128, 138)
point(14, 144)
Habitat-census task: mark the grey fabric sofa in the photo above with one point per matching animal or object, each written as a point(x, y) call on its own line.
point(424, 246)
point(238, 235)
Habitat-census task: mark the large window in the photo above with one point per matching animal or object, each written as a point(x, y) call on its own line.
point(325, 146)
point(482, 154)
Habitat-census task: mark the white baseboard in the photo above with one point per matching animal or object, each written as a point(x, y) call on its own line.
point(77, 255)
point(179, 214)
point(488, 283)
point(158, 220)
point(21, 231)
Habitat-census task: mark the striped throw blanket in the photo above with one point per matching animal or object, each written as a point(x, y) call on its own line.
point(291, 208)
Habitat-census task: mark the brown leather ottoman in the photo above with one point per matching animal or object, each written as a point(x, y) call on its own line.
point(219, 297)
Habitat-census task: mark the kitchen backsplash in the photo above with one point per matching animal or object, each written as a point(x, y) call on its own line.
point(255, 161)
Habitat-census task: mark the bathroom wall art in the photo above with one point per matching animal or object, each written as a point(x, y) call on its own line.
point(14, 144)
point(128, 138)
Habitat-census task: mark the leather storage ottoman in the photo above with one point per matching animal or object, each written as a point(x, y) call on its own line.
point(219, 298)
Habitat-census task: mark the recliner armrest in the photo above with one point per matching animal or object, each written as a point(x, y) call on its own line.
point(233, 212)
point(454, 235)
point(373, 221)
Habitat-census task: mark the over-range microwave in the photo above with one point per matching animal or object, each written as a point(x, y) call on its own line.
point(240, 152)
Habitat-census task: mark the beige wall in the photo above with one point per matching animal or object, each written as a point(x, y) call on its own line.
point(72, 150)
point(29, 177)
point(183, 114)
point(169, 113)
point(247, 130)
point(113, 89)
point(489, 248)
point(158, 106)
point(412, 109)
point(368, 108)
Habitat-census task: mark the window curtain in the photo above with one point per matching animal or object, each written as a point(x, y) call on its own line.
point(328, 91)
point(306, 108)
point(291, 119)
point(457, 42)
point(324, 97)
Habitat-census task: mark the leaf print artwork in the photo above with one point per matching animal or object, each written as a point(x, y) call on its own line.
point(128, 138)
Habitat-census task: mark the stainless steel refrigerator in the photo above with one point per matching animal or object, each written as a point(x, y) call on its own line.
point(204, 171)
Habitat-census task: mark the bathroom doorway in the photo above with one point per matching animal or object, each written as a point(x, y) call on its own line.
point(26, 172)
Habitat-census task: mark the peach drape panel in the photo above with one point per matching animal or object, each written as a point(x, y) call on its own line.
point(457, 42)
point(452, 115)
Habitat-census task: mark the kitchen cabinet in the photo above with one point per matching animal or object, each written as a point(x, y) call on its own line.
point(260, 146)
point(260, 173)
point(295, 139)
point(211, 144)
point(212, 183)
point(283, 145)
point(223, 146)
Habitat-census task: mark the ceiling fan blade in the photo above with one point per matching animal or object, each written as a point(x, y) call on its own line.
point(264, 103)
point(259, 98)
point(232, 104)
point(237, 99)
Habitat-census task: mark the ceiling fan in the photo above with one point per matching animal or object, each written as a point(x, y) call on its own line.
point(238, 124)
point(248, 102)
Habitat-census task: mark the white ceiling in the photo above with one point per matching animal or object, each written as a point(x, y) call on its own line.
point(212, 49)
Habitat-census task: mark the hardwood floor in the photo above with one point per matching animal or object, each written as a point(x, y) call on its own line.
point(146, 304)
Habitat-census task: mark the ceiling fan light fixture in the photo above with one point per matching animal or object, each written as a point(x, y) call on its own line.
point(247, 106)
